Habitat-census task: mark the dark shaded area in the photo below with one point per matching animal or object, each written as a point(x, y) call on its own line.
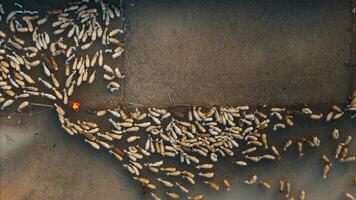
point(236, 52)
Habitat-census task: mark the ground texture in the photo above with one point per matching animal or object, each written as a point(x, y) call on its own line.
point(202, 52)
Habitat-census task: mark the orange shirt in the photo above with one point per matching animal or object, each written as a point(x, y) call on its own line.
point(75, 106)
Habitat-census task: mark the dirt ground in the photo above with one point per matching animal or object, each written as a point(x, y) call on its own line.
point(201, 52)
point(235, 52)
